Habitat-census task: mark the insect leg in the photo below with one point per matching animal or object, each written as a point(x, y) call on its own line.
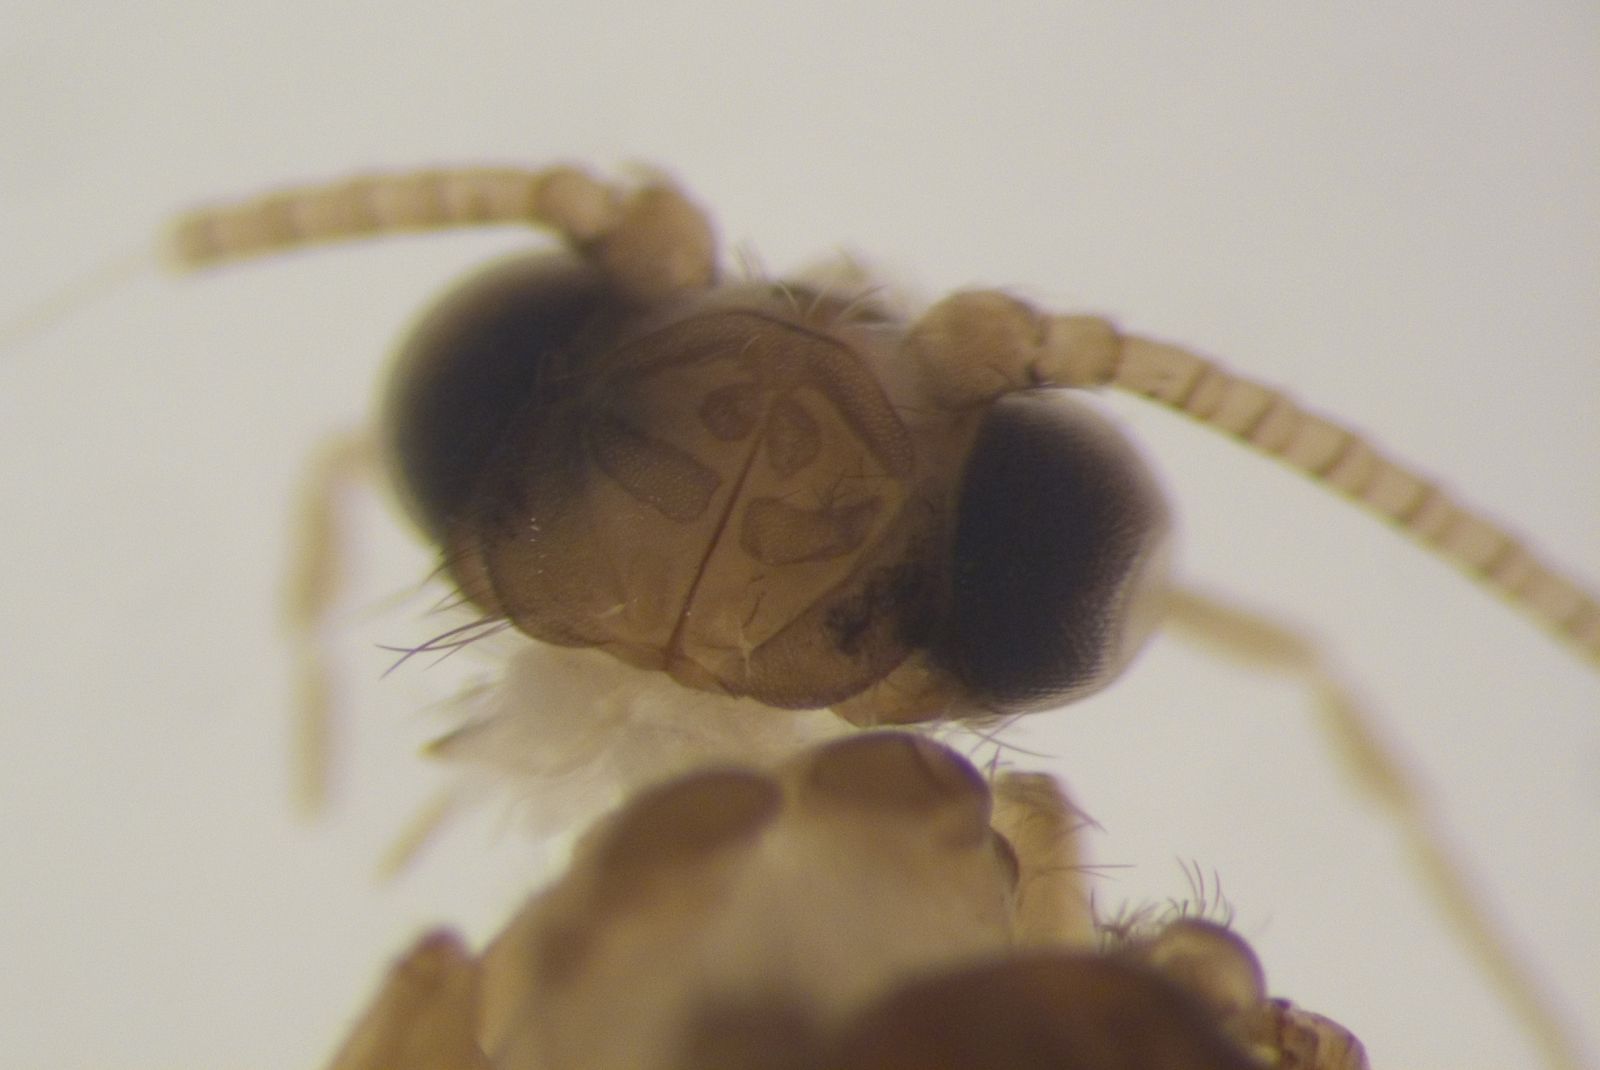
point(1259, 643)
point(316, 572)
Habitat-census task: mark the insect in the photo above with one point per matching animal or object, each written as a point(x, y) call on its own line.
point(877, 588)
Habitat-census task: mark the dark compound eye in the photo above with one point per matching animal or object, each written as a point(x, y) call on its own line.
point(506, 341)
point(1058, 555)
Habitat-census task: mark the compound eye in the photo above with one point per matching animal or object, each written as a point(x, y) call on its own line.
point(1058, 555)
point(505, 341)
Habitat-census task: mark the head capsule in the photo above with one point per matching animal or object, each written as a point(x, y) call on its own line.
point(744, 487)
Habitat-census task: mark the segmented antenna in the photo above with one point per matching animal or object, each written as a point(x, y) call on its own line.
point(566, 200)
point(651, 240)
point(1342, 460)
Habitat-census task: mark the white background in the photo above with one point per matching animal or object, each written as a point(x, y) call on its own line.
point(1392, 213)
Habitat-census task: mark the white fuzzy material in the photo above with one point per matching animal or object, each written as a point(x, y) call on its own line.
point(572, 732)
